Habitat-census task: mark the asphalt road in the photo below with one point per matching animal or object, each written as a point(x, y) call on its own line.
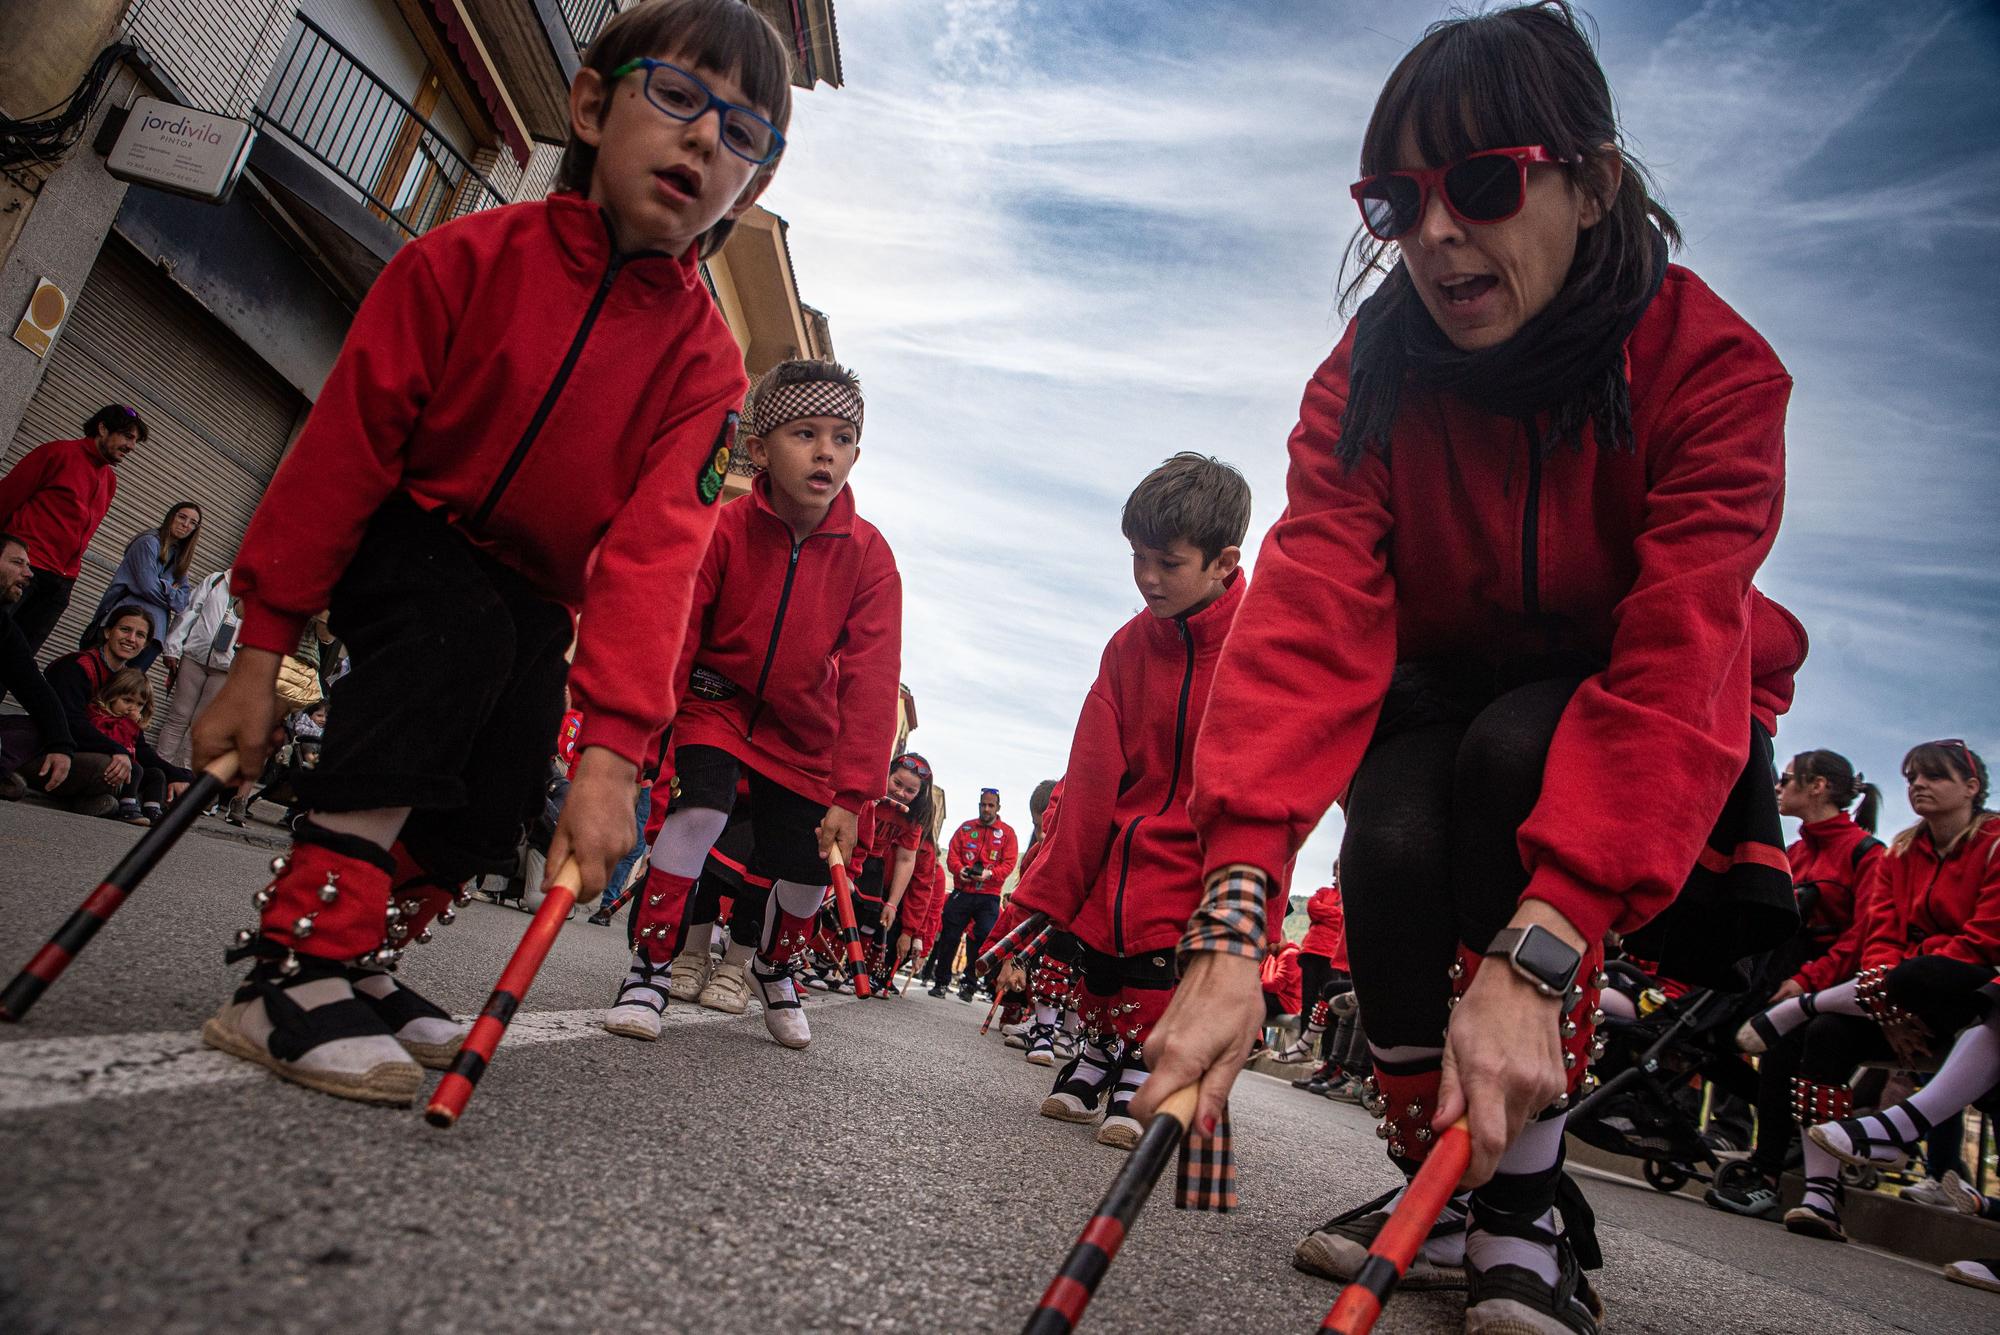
point(893, 1177)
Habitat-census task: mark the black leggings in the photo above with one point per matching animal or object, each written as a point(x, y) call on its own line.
point(1943, 993)
point(1430, 856)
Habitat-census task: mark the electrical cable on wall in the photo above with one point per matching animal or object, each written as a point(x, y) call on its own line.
point(50, 133)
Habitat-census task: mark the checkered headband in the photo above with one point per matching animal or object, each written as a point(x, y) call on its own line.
point(775, 405)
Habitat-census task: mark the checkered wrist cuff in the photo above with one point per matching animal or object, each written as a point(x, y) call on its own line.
point(1230, 920)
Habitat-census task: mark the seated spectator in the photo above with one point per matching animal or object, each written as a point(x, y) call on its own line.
point(39, 741)
point(153, 577)
point(120, 710)
point(101, 767)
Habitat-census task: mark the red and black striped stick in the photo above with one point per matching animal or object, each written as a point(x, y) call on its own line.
point(850, 930)
point(1083, 1269)
point(1355, 1310)
point(70, 939)
point(447, 1105)
point(1010, 945)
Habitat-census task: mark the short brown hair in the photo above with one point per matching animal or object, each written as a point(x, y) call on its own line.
point(1191, 496)
point(726, 35)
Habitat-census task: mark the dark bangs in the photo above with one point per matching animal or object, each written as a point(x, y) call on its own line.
point(1938, 760)
point(724, 35)
point(1510, 79)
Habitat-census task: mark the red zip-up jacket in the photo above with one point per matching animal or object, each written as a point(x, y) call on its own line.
point(1327, 934)
point(53, 499)
point(1927, 904)
point(1281, 977)
point(1836, 857)
point(1123, 871)
point(926, 886)
point(792, 655)
point(563, 406)
point(994, 846)
point(1464, 540)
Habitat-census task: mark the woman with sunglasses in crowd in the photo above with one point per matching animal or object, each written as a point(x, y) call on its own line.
point(1930, 940)
point(1528, 493)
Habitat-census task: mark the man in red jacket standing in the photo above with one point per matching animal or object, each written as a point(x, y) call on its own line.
point(1122, 869)
point(980, 857)
point(53, 499)
point(792, 661)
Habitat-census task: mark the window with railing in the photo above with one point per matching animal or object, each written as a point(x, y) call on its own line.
point(334, 108)
point(586, 18)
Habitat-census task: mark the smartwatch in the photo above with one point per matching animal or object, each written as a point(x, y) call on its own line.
point(1538, 955)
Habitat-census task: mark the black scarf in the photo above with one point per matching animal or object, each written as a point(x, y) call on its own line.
point(1568, 361)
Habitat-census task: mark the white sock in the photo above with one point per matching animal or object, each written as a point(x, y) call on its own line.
point(685, 840)
point(1536, 1150)
point(1820, 1164)
point(1970, 1069)
point(696, 932)
point(739, 953)
point(378, 825)
point(1044, 1014)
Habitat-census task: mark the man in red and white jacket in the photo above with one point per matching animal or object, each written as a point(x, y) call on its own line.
point(788, 678)
point(980, 857)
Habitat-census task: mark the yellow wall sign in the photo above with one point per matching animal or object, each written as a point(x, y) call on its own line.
point(44, 316)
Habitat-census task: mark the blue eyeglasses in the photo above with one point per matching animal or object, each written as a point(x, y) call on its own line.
point(685, 98)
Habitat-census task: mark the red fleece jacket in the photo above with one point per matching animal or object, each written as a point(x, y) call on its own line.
point(563, 407)
point(995, 848)
point(1920, 903)
point(1281, 977)
point(1828, 856)
point(792, 655)
point(1123, 871)
point(1464, 540)
point(1327, 934)
point(53, 499)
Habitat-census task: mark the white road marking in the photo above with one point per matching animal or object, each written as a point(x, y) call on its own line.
point(39, 1073)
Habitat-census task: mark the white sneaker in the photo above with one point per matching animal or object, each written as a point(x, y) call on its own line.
point(728, 991)
point(426, 1031)
point(1951, 1193)
point(365, 1067)
point(641, 998)
point(784, 1016)
point(690, 971)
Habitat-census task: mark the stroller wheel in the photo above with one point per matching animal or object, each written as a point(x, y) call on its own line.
point(1860, 1177)
point(1664, 1175)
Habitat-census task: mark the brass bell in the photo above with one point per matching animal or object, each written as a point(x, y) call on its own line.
point(1415, 1110)
point(262, 899)
point(289, 965)
point(280, 865)
point(1382, 1131)
point(1568, 1028)
point(448, 917)
point(1424, 1134)
point(303, 928)
point(328, 893)
point(244, 936)
point(1396, 1148)
point(1456, 971)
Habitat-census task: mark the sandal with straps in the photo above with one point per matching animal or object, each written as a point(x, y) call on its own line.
point(1857, 1140)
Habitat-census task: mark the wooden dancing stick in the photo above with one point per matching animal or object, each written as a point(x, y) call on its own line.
point(1360, 1302)
point(96, 910)
point(850, 931)
point(455, 1090)
point(1097, 1246)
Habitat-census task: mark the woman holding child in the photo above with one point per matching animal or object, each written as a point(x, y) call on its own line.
point(1528, 493)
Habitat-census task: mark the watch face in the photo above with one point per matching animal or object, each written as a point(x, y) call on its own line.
point(1543, 954)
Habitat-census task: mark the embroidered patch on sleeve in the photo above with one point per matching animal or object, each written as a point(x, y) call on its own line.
point(715, 468)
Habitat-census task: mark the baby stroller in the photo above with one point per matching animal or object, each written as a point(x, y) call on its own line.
point(1648, 1061)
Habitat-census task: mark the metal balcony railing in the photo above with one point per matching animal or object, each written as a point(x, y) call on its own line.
point(586, 18)
point(328, 103)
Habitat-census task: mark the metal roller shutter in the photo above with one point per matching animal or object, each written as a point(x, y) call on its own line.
point(219, 418)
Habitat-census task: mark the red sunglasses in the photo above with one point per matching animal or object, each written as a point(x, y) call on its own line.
point(914, 763)
point(1485, 187)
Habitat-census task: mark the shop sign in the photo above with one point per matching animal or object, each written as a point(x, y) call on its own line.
point(181, 149)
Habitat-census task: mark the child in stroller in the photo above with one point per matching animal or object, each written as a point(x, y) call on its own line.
point(1656, 1037)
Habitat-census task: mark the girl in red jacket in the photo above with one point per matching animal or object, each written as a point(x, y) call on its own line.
point(887, 845)
point(1120, 870)
point(1528, 494)
point(1831, 859)
point(562, 348)
point(1932, 926)
point(791, 659)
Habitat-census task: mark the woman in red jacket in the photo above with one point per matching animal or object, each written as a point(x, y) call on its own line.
point(1528, 494)
point(1832, 857)
point(1931, 936)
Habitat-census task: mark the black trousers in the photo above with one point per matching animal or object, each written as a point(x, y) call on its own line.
point(455, 695)
point(1429, 858)
point(971, 917)
point(35, 616)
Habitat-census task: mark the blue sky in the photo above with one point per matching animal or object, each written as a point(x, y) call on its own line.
point(1060, 241)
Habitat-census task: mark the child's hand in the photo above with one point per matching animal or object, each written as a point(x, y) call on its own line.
point(596, 827)
point(243, 717)
point(836, 829)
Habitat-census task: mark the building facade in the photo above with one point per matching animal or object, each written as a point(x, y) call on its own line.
point(375, 121)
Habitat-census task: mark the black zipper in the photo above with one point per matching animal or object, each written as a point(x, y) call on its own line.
point(777, 627)
point(547, 406)
point(1531, 526)
point(1173, 786)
